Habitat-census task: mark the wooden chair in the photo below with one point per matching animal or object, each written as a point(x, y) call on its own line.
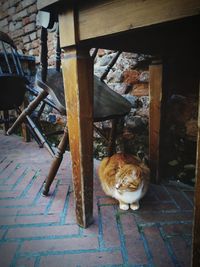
point(107, 103)
point(12, 79)
point(13, 83)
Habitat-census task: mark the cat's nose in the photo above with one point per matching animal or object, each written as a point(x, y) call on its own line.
point(117, 186)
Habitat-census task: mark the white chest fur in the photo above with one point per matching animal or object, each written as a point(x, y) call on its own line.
point(128, 197)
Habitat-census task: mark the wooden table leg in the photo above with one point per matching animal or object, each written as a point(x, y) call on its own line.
point(78, 83)
point(196, 226)
point(155, 92)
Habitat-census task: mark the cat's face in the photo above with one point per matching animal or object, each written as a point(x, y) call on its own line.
point(127, 179)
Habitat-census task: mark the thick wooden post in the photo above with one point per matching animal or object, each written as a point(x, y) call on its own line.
point(77, 67)
point(78, 83)
point(196, 225)
point(155, 93)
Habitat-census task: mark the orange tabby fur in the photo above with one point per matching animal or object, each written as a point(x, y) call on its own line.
point(124, 177)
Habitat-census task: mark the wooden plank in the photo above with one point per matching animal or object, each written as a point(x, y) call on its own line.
point(196, 227)
point(100, 18)
point(155, 94)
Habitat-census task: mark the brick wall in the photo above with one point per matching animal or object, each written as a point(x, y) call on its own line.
point(18, 19)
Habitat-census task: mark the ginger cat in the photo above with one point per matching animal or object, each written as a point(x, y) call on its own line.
point(125, 178)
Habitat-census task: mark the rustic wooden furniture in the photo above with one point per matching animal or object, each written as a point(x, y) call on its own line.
point(162, 28)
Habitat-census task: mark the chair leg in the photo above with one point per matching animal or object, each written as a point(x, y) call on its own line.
point(27, 111)
point(112, 138)
point(6, 119)
point(56, 162)
point(39, 135)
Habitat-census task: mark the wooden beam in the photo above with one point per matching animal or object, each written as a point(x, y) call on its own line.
point(77, 67)
point(100, 18)
point(196, 225)
point(155, 94)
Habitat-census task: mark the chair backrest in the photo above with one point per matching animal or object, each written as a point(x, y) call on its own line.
point(9, 56)
point(12, 79)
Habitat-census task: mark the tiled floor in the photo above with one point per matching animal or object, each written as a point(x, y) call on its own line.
point(39, 232)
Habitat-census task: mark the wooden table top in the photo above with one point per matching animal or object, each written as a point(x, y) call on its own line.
point(150, 26)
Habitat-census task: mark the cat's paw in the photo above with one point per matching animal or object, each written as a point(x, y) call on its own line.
point(135, 206)
point(123, 206)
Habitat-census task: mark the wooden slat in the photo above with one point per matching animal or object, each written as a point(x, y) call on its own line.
point(196, 227)
point(155, 93)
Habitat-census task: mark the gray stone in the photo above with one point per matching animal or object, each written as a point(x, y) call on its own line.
point(132, 99)
point(99, 70)
point(33, 36)
point(3, 23)
point(18, 25)
point(105, 60)
point(115, 77)
point(135, 123)
point(29, 27)
point(11, 26)
point(5, 5)
point(11, 11)
point(27, 3)
point(144, 76)
point(18, 16)
point(26, 39)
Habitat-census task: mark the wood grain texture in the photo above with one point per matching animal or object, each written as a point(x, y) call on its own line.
point(155, 93)
point(102, 18)
point(77, 69)
point(68, 28)
point(78, 84)
point(196, 227)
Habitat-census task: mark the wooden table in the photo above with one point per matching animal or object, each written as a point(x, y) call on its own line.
point(166, 29)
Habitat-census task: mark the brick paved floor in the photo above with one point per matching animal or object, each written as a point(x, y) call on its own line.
point(39, 232)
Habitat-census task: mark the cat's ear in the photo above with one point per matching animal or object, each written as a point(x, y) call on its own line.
point(110, 172)
point(138, 171)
